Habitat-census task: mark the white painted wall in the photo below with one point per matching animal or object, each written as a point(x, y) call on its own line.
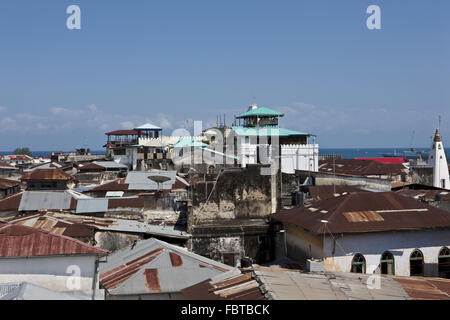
point(51, 272)
point(372, 245)
point(299, 157)
point(129, 159)
point(293, 157)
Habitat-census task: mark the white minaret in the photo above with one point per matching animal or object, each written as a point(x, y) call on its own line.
point(438, 161)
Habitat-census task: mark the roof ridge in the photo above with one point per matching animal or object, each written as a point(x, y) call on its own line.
point(336, 211)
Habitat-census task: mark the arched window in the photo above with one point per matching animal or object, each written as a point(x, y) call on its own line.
point(444, 263)
point(387, 263)
point(358, 264)
point(416, 263)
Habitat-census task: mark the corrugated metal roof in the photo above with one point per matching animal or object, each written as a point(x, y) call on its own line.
point(426, 195)
point(329, 192)
point(281, 284)
point(93, 205)
point(154, 266)
point(138, 180)
point(47, 174)
point(355, 167)
point(11, 203)
point(397, 213)
point(114, 194)
point(40, 200)
point(6, 184)
point(48, 223)
point(20, 241)
point(110, 165)
point(122, 133)
point(285, 284)
point(83, 226)
point(425, 288)
point(232, 285)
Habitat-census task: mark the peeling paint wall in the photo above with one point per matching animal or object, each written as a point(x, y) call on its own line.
point(301, 245)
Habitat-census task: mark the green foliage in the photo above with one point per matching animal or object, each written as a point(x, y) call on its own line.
point(23, 151)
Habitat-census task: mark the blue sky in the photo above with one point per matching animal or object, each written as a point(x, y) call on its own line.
point(168, 62)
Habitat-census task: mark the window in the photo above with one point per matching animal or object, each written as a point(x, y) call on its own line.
point(358, 264)
point(228, 259)
point(444, 263)
point(387, 264)
point(416, 263)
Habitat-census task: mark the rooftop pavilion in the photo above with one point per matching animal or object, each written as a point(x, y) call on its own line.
point(259, 117)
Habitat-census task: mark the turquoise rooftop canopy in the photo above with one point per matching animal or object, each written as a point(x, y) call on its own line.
point(189, 142)
point(148, 126)
point(261, 112)
point(266, 131)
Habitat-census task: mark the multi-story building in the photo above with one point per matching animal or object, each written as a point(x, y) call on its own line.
point(256, 137)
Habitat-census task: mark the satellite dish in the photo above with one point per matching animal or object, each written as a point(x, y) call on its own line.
point(159, 179)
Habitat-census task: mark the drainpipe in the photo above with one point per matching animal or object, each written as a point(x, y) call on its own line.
point(94, 280)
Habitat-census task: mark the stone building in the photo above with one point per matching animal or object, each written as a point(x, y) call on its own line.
point(228, 219)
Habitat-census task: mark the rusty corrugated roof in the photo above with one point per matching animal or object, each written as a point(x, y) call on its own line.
point(419, 288)
point(48, 223)
point(154, 266)
point(116, 185)
point(426, 195)
point(20, 241)
point(11, 203)
point(122, 132)
point(91, 166)
point(392, 212)
point(355, 167)
point(6, 184)
point(47, 174)
point(329, 192)
point(233, 285)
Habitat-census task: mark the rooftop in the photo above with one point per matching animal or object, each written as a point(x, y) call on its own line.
point(154, 266)
point(365, 212)
point(21, 241)
point(260, 112)
point(47, 174)
point(356, 167)
point(148, 126)
point(266, 131)
point(271, 283)
point(6, 184)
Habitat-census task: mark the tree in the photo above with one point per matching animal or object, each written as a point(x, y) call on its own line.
point(23, 151)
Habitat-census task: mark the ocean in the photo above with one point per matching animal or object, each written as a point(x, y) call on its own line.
point(347, 153)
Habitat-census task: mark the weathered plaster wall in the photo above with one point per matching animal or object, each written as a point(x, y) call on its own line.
point(238, 193)
point(302, 245)
point(114, 241)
